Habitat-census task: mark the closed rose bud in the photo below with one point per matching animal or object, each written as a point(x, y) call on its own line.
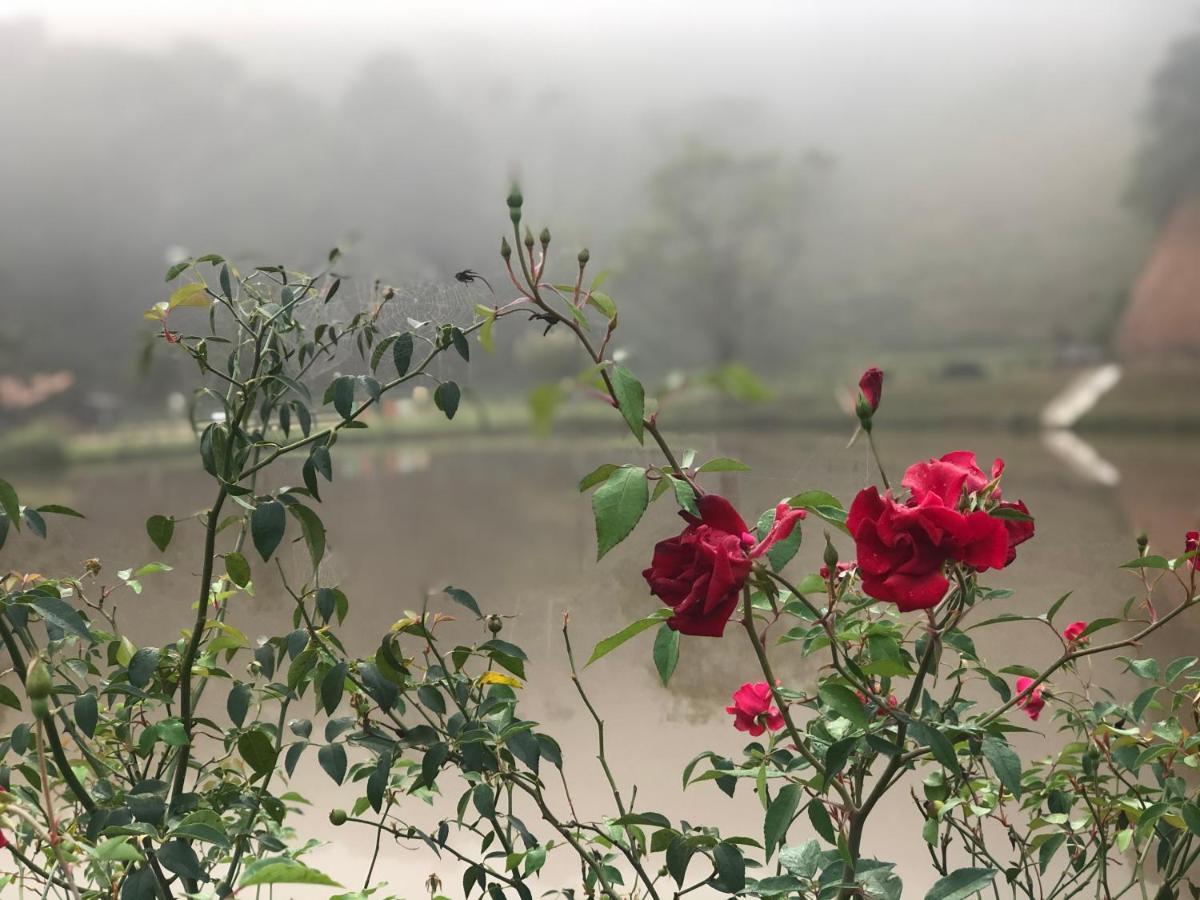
point(584, 256)
point(38, 683)
point(831, 555)
point(1190, 545)
point(863, 410)
point(1143, 541)
point(544, 238)
point(505, 250)
point(871, 385)
point(528, 239)
point(514, 197)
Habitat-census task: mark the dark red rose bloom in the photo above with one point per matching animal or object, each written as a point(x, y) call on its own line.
point(871, 385)
point(901, 548)
point(752, 710)
point(1019, 530)
point(700, 572)
point(1191, 543)
point(1072, 632)
point(1034, 703)
point(950, 477)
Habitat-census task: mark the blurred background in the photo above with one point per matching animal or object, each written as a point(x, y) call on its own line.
point(997, 202)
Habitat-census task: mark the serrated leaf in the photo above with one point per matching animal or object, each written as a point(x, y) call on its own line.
point(61, 614)
point(961, 884)
point(779, 815)
point(618, 505)
point(285, 871)
point(237, 568)
point(631, 400)
point(257, 750)
point(1005, 763)
point(402, 352)
point(597, 476)
point(724, 464)
point(844, 702)
point(666, 652)
point(611, 643)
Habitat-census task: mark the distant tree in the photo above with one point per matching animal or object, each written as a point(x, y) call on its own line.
point(1167, 168)
point(718, 248)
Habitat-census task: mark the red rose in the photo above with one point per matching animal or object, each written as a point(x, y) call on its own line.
point(752, 710)
point(957, 475)
point(902, 548)
point(1072, 632)
point(700, 572)
point(1191, 543)
point(949, 476)
point(1019, 530)
point(871, 385)
point(1034, 703)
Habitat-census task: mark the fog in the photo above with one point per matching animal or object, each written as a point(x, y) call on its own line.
point(895, 176)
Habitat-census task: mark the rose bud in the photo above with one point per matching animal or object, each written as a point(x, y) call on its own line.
point(1034, 702)
point(1071, 634)
point(871, 385)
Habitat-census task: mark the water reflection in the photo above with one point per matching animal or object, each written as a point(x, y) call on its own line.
point(504, 520)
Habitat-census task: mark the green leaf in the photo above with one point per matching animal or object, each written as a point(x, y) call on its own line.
point(285, 871)
point(1147, 562)
point(332, 758)
point(484, 799)
point(730, 866)
point(459, 340)
point(597, 476)
point(939, 744)
point(844, 702)
point(139, 885)
point(61, 614)
point(818, 817)
point(1005, 763)
point(237, 568)
point(181, 859)
point(332, 686)
point(87, 713)
point(685, 495)
point(175, 270)
point(604, 303)
point(961, 884)
point(446, 398)
point(779, 815)
point(631, 400)
point(192, 294)
point(402, 352)
point(1191, 816)
point(117, 849)
point(226, 284)
point(461, 597)
point(724, 464)
point(666, 652)
point(10, 504)
point(313, 530)
point(267, 524)
point(618, 505)
point(59, 510)
point(238, 703)
point(257, 750)
point(343, 395)
point(611, 643)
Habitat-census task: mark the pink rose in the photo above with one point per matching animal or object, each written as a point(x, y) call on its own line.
point(1034, 702)
point(1072, 632)
point(1191, 542)
point(752, 710)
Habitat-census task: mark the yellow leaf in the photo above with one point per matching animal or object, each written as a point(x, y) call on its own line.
point(189, 295)
point(157, 312)
point(498, 678)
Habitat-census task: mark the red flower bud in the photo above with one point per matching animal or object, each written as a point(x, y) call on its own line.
point(871, 385)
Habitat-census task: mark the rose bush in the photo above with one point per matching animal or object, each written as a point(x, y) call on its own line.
point(119, 783)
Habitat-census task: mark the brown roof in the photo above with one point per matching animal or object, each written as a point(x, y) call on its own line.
point(1164, 311)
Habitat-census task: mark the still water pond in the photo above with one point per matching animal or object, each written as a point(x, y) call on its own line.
point(502, 519)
